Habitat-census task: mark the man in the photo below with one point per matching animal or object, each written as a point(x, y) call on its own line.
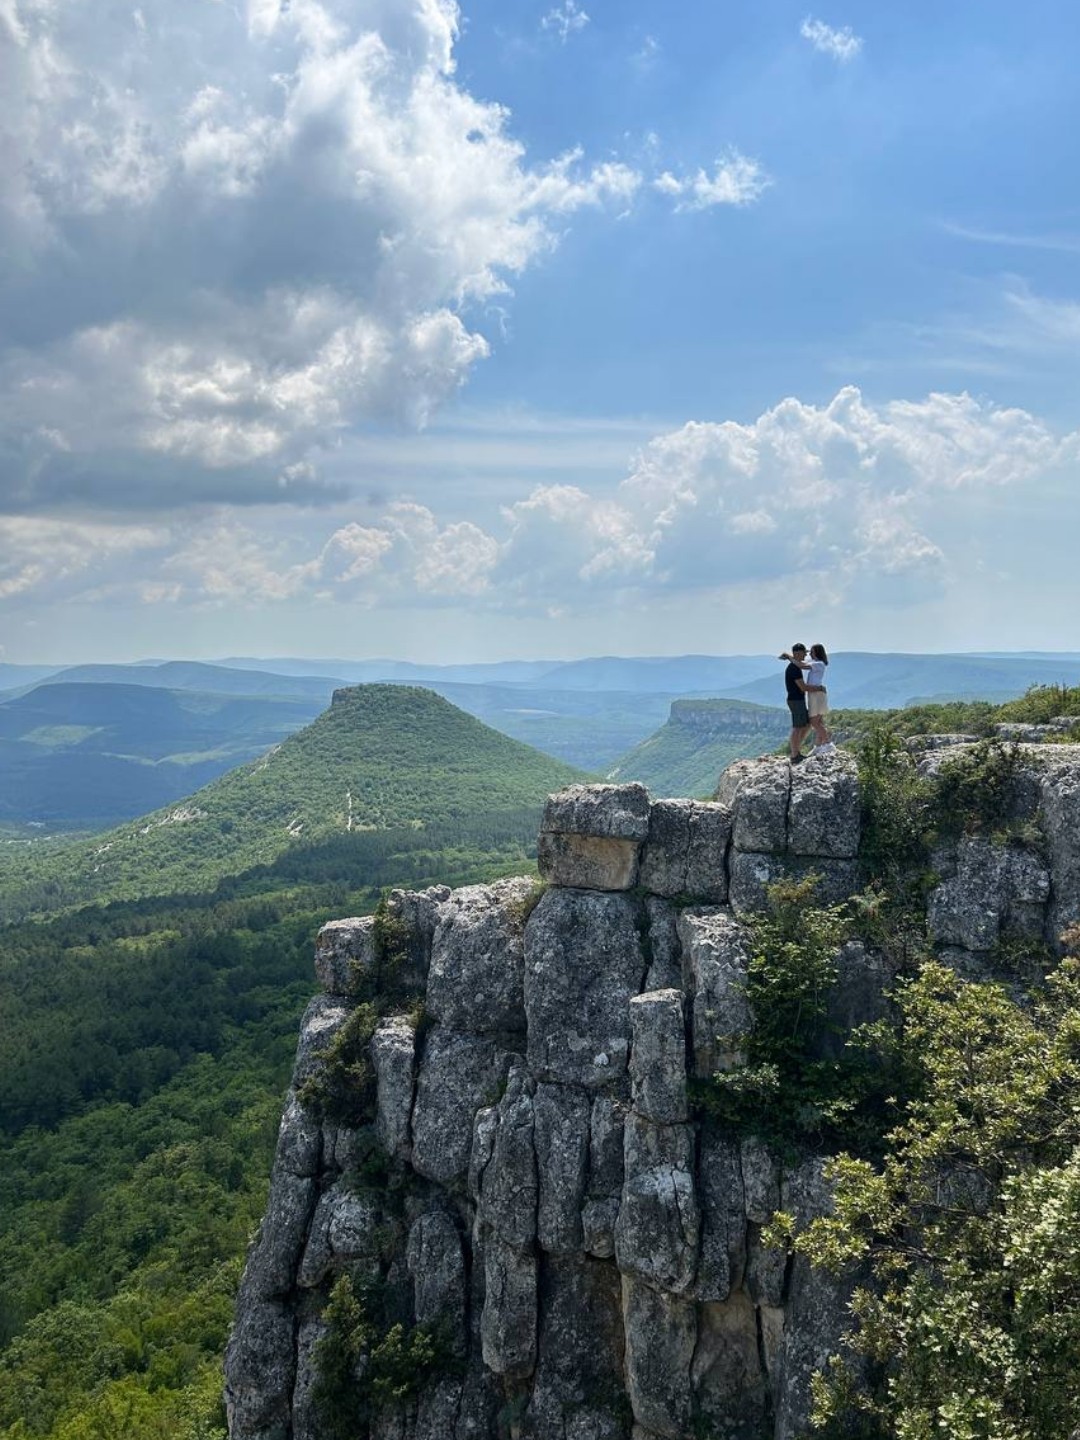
point(796, 699)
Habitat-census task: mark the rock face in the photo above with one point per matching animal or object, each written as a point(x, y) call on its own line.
point(530, 1182)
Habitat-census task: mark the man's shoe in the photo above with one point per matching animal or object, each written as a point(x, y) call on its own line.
point(797, 759)
point(827, 749)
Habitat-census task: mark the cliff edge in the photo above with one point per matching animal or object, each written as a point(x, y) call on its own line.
point(492, 1212)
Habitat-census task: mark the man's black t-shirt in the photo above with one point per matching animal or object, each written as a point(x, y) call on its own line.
point(792, 676)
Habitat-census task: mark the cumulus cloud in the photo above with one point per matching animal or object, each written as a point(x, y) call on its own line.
point(839, 503)
point(565, 19)
point(842, 45)
point(735, 180)
point(228, 239)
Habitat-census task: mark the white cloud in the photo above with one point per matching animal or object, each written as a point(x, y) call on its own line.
point(843, 44)
point(565, 19)
point(735, 180)
point(275, 224)
point(844, 504)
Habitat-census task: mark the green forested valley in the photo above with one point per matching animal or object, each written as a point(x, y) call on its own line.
point(146, 1039)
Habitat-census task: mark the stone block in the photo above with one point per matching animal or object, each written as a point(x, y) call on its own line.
point(723, 1219)
point(393, 1056)
point(509, 1187)
point(730, 1385)
point(658, 1056)
point(562, 1114)
point(458, 1075)
point(618, 812)
point(661, 1334)
point(345, 955)
point(508, 1321)
point(475, 979)
point(715, 957)
point(824, 807)
point(588, 861)
point(658, 1231)
point(685, 852)
point(583, 962)
point(757, 793)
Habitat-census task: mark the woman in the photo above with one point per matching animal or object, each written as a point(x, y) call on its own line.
point(817, 698)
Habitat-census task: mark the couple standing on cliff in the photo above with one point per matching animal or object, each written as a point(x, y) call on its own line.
point(807, 699)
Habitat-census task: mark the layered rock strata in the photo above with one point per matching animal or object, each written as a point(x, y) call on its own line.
point(546, 1198)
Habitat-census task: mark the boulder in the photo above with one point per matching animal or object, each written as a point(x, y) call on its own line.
point(437, 1266)
point(579, 1381)
point(272, 1261)
point(1060, 815)
point(723, 1218)
point(752, 874)
point(260, 1369)
point(607, 1125)
point(757, 793)
point(662, 945)
point(686, 848)
point(299, 1142)
point(321, 1022)
point(477, 957)
point(817, 1313)
point(508, 1185)
point(583, 962)
point(729, 1383)
point(824, 807)
point(346, 1228)
point(417, 914)
point(508, 1322)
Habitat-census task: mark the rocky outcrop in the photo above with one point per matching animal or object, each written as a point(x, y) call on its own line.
point(530, 1182)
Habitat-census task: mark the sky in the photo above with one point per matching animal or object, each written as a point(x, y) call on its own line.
point(467, 332)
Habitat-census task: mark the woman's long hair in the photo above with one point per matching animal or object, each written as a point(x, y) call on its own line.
point(817, 652)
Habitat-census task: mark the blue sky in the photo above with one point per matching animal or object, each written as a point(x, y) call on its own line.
point(399, 327)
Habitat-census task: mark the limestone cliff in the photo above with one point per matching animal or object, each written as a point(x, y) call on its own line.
point(546, 1201)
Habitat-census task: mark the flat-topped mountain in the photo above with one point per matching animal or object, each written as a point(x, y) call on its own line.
point(700, 739)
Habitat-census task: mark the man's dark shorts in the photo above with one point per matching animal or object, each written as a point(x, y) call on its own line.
point(800, 716)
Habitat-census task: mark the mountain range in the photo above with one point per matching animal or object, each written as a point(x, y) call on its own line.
point(86, 746)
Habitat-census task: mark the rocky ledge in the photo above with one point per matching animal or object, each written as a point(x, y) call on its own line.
point(544, 1199)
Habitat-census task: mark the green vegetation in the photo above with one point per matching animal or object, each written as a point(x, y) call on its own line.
point(795, 1084)
point(963, 1228)
point(400, 1359)
point(969, 1230)
point(384, 758)
point(701, 738)
point(146, 1043)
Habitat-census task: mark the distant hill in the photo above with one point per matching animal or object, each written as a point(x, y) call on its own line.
point(83, 756)
point(17, 677)
point(383, 758)
point(701, 738)
point(194, 675)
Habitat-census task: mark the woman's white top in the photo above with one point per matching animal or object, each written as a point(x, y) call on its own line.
point(816, 673)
